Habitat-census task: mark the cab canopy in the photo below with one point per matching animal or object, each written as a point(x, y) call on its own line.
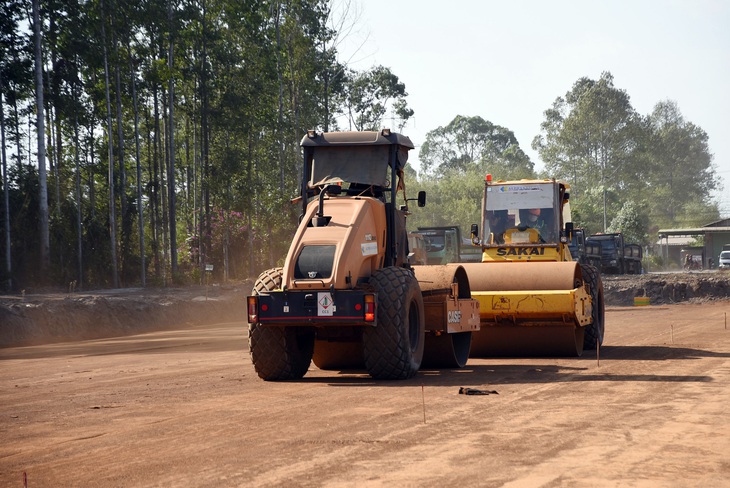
point(354, 157)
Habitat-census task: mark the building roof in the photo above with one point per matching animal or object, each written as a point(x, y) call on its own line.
point(719, 223)
point(693, 231)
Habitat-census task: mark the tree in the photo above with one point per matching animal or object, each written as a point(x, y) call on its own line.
point(680, 173)
point(216, 119)
point(368, 95)
point(45, 249)
point(468, 143)
point(110, 144)
point(632, 223)
point(6, 194)
point(590, 137)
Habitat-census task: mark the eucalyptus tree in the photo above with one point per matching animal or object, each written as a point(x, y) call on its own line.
point(10, 13)
point(468, 143)
point(6, 193)
point(110, 148)
point(590, 137)
point(454, 160)
point(45, 251)
point(681, 175)
point(16, 64)
point(369, 95)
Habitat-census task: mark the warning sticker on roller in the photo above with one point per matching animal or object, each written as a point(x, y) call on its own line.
point(369, 248)
point(325, 304)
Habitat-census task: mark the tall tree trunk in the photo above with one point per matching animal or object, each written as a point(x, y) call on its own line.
point(156, 185)
point(79, 235)
point(112, 199)
point(194, 187)
point(140, 213)
point(18, 145)
point(280, 120)
point(164, 195)
point(171, 168)
point(45, 250)
point(6, 195)
point(55, 136)
point(252, 206)
point(205, 224)
point(122, 187)
point(91, 175)
point(51, 152)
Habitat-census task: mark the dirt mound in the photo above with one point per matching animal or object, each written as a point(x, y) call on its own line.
point(59, 317)
point(40, 319)
point(663, 288)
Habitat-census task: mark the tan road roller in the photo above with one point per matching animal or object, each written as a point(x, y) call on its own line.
point(534, 300)
point(348, 295)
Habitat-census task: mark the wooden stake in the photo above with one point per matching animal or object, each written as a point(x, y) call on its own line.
point(423, 397)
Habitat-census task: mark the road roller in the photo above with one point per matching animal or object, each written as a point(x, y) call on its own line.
point(534, 299)
point(348, 294)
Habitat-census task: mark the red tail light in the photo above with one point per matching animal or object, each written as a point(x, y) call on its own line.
point(253, 310)
point(370, 308)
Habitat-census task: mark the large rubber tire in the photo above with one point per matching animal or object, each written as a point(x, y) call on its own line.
point(278, 353)
point(596, 330)
point(393, 349)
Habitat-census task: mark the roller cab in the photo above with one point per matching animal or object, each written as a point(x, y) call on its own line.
point(347, 295)
point(533, 298)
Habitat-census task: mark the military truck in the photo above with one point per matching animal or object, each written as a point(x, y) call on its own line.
point(347, 295)
point(618, 257)
point(583, 251)
point(445, 244)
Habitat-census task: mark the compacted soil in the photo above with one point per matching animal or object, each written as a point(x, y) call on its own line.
point(178, 404)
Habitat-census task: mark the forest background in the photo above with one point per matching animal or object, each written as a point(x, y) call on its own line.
point(169, 139)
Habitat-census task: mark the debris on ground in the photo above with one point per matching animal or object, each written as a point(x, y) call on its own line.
point(474, 391)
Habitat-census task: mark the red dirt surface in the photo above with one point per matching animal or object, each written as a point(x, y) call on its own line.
point(183, 407)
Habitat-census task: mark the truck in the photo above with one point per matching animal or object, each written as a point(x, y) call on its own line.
point(347, 295)
point(723, 260)
point(534, 299)
point(445, 244)
point(583, 251)
point(618, 257)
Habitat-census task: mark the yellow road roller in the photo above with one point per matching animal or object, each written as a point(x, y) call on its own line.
point(534, 299)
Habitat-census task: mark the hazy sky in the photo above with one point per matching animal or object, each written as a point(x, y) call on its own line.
point(507, 61)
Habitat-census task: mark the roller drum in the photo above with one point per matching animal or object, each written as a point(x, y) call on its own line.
point(443, 350)
point(532, 330)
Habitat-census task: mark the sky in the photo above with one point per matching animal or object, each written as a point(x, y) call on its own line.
point(507, 61)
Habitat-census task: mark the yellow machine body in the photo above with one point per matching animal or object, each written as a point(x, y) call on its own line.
point(533, 298)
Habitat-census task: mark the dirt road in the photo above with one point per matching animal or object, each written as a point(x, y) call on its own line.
point(184, 408)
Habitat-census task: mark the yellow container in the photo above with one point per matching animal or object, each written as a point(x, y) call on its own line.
point(640, 301)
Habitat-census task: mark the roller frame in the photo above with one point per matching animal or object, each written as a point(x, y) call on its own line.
point(447, 299)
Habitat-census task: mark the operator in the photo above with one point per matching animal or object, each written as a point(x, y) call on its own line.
point(532, 219)
point(537, 219)
point(497, 225)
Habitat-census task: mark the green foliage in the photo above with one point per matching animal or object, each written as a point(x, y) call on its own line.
point(638, 174)
point(247, 78)
point(472, 143)
point(632, 223)
point(454, 162)
point(680, 172)
point(455, 199)
point(367, 96)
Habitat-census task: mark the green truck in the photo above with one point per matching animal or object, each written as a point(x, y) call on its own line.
point(445, 245)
